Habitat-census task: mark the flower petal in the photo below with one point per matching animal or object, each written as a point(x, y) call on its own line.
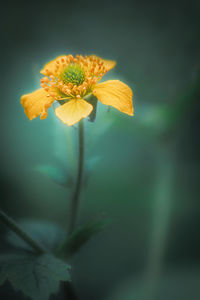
point(36, 104)
point(109, 64)
point(115, 93)
point(50, 66)
point(73, 111)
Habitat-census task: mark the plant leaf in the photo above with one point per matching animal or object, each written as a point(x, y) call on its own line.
point(36, 276)
point(89, 166)
point(80, 236)
point(48, 234)
point(55, 173)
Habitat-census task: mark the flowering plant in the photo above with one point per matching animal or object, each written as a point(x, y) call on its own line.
point(72, 82)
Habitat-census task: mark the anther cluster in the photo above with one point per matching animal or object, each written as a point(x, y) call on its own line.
point(73, 77)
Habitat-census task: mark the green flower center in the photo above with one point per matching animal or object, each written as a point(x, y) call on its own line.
point(73, 74)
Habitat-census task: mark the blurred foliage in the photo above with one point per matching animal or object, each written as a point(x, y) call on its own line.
point(36, 276)
point(80, 236)
point(55, 173)
point(173, 284)
point(49, 235)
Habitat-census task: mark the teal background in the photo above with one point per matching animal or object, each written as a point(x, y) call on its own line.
point(145, 169)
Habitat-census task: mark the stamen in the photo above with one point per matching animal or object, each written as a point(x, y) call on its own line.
point(74, 77)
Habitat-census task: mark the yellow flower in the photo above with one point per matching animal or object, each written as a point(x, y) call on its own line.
point(69, 80)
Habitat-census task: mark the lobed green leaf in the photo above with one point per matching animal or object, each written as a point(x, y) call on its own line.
point(36, 276)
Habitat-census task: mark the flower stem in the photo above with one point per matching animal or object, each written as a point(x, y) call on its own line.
point(74, 204)
point(70, 291)
point(12, 225)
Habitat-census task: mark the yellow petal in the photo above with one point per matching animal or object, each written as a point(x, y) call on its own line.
point(36, 104)
point(109, 64)
point(73, 111)
point(51, 66)
point(115, 93)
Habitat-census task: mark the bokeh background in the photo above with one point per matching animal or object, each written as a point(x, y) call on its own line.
point(145, 169)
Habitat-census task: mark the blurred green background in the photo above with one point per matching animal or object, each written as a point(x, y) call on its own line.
point(145, 169)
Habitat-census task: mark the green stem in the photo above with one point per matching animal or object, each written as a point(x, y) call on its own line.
point(70, 291)
point(74, 204)
point(12, 225)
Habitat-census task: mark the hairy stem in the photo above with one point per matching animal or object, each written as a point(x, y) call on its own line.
point(12, 225)
point(74, 204)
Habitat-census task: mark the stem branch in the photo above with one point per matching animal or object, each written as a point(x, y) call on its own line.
point(11, 224)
